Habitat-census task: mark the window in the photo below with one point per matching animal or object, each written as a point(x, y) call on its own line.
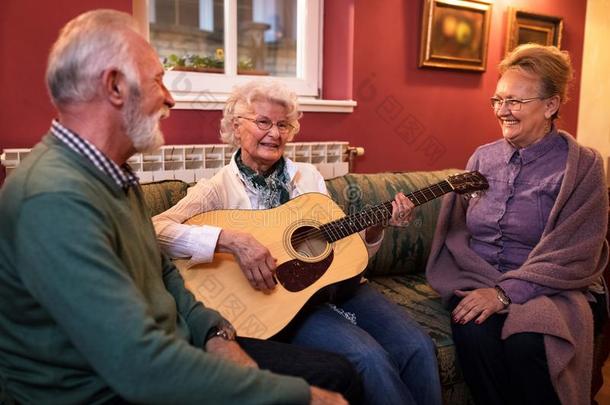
point(209, 46)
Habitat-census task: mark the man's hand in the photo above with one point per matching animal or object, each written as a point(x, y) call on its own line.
point(480, 304)
point(254, 259)
point(229, 350)
point(324, 397)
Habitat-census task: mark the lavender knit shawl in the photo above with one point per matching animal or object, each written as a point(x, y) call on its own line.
point(571, 254)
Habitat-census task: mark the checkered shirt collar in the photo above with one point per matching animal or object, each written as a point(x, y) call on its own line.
point(122, 175)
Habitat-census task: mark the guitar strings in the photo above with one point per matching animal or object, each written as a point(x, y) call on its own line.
point(336, 228)
point(333, 230)
point(339, 229)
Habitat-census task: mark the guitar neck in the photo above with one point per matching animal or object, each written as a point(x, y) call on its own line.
point(378, 214)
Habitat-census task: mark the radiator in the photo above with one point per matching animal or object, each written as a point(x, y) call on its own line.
point(193, 162)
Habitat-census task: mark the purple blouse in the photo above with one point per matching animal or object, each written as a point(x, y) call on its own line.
point(507, 221)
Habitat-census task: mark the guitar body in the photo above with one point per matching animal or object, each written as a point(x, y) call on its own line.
point(306, 263)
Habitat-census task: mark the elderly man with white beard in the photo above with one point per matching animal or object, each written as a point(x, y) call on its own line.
point(90, 310)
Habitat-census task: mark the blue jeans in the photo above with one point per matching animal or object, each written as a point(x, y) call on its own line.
point(395, 358)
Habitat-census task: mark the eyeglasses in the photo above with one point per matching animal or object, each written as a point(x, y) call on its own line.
point(265, 124)
point(513, 104)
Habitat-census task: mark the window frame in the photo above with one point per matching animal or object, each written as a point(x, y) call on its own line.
point(209, 91)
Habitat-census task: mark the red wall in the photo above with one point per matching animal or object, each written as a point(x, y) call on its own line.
point(410, 118)
point(28, 28)
point(407, 118)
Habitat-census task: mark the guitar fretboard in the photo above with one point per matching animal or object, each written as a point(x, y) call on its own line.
point(381, 213)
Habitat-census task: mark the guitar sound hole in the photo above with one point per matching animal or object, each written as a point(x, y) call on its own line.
point(308, 241)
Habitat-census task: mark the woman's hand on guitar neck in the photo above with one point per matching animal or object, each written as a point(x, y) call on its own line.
point(402, 212)
point(254, 259)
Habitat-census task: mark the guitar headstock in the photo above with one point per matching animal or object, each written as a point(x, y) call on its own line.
point(467, 183)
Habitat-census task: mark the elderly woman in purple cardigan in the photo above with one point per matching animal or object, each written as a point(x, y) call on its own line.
point(517, 265)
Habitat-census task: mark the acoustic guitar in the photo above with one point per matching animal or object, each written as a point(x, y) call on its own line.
point(315, 245)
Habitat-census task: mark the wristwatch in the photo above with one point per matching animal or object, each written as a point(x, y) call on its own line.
point(223, 330)
point(502, 297)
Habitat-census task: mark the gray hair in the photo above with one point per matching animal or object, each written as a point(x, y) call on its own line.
point(241, 99)
point(89, 44)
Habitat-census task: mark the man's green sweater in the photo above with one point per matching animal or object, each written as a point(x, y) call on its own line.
point(89, 307)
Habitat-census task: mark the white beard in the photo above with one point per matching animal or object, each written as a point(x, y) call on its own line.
point(144, 131)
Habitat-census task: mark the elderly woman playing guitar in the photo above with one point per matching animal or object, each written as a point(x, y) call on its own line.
point(393, 355)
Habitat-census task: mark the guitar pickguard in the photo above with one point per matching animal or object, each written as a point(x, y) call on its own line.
point(296, 275)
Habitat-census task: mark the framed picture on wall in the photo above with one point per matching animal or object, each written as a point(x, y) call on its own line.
point(525, 27)
point(455, 34)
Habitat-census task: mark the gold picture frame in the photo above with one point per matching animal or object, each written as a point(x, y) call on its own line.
point(525, 26)
point(455, 34)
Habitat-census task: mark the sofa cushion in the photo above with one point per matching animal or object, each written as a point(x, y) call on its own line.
point(161, 195)
point(403, 250)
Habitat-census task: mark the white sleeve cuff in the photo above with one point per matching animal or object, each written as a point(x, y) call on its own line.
point(203, 240)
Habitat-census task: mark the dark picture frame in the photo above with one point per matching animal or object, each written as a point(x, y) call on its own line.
point(455, 34)
point(526, 26)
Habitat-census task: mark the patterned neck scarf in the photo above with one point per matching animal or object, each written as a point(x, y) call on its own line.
point(272, 186)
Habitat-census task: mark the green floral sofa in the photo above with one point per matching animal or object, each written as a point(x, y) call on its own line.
point(397, 269)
